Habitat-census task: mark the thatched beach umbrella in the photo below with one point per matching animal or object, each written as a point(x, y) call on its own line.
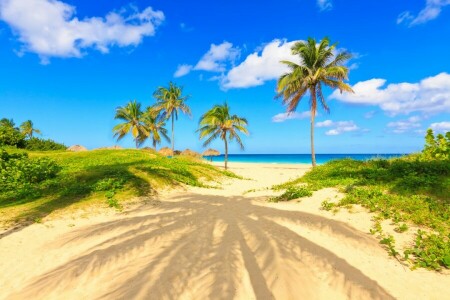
point(190, 153)
point(166, 151)
point(211, 152)
point(77, 148)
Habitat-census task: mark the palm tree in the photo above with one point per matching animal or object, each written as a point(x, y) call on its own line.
point(169, 101)
point(319, 66)
point(217, 122)
point(7, 123)
point(132, 116)
point(27, 129)
point(155, 125)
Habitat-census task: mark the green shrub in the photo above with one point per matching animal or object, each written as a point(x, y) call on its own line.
point(292, 193)
point(37, 144)
point(18, 171)
point(10, 136)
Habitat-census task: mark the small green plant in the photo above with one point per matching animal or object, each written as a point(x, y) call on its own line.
point(430, 251)
point(112, 202)
point(401, 228)
point(292, 193)
point(327, 205)
point(389, 243)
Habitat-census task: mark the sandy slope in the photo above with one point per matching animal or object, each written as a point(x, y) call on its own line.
point(212, 244)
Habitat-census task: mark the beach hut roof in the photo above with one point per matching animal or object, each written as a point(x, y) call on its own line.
point(211, 152)
point(189, 152)
point(166, 151)
point(77, 148)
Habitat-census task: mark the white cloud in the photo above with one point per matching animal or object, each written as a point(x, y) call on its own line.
point(370, 114)
point(431, 11)
point(325, 4)
point(338, 127)
point(216, 58)
point(402, 126)
point(429, 96)
point(50, 28)
point(260, 66)
point(278, 118)
point(441, 126)
point(182, 70)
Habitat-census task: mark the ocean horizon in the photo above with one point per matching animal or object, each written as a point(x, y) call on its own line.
point(298, 158)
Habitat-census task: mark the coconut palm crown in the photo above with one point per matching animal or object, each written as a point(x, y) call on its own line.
point(318, 66)
point(169, 102)
point(155, 125)
point(27, 129)
point(132, 116)
point(218, 123)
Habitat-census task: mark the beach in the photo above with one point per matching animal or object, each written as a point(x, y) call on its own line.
point(212, 243)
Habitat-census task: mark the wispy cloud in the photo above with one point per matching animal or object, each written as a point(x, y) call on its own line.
point(182, 70)
point(430, 12)
point(325, 4)
point(429, 96)
point(440, 126)
point(216, 59)
point(278, 118)
point(402, 126)
point(339, 127)
point(50, 28)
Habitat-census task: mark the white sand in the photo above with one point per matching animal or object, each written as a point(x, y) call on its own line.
point(212, 244)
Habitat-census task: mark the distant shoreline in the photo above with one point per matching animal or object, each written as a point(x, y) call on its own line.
point(298, 158)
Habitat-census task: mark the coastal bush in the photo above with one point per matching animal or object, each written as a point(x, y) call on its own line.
point(37, 144)
point(292, 193)
point(10, 136)
point(413, 189)
point(18, 172)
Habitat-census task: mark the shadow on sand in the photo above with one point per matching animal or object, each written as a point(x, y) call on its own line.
point(199, 246)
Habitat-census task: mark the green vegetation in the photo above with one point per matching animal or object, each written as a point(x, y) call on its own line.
point(37, 144)
point(11, 136)
point(218, 123)
point(43, 182)
point(169, 102)
point(293, 192)
point(320, 66)
point(414, 189)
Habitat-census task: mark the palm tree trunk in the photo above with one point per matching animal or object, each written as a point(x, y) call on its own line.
point(226, 153)
point(136, 141)
point(313, 115)
point(173, 137)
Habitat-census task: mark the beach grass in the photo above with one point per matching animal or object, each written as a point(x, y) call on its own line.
point(101, 178)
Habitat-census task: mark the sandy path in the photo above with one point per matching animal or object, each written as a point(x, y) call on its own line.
point(212, 244)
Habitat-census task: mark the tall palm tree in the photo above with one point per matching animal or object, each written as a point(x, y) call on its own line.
point(132, 116)
point(155, 125)
point(319, 66)
point(27, 129)
point(170, 101)
point(218, 123)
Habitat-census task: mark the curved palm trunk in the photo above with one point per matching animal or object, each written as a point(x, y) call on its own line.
point(226, 153)
point(173, 137)
point(137, 143)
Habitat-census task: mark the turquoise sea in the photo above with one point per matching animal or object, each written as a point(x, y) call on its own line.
point(297, 158)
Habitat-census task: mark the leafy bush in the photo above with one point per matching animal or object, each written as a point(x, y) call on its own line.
point(10, 136)
point(18, 171)
point(37, 144)
point(436, 147)
point(292, 193)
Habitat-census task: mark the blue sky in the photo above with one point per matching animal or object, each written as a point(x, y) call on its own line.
point(68, 64)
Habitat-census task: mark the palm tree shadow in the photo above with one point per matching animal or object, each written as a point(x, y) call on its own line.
point(204, 243)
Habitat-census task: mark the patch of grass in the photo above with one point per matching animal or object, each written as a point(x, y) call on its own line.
point(87, 178)
point(407, 189)
point(292, 193)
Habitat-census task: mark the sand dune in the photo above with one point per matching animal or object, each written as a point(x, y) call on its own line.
point(212, 244)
